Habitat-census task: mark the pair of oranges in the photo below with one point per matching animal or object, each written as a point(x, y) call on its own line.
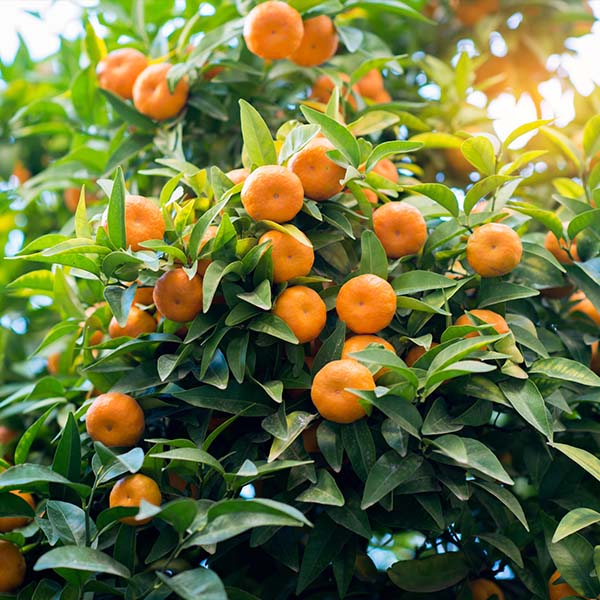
point(274, 30)
point(127, 73)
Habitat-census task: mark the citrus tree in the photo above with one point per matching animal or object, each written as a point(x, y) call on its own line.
point(279, 325)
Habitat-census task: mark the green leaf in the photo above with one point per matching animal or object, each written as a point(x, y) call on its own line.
point(413, 282)
point(390, 149)
point(373, 258)
point(439, 421)
point(482, 188)
point(120, 300)
point(337, 134)
point(470, 453)
point(194, 455)
point(274, 326)
point(27, 439)
point(506, 498)
point(80, 558)
point(565, 369)
point(116, 211)
point(564, 144)
point(83, 228)
point(589, 218)
point(28, 476)
point(401, 412)
point(574, 521)
point(202, 225)
point(127, 112)
point(394, 6)
point(360, 447)
point(295, 140)
point(260, 296)
point(439, 193)
point(195, 583)
point(505, 545)
point(295, 423)
point(583, 458)
point(529, 403)
point(386, 475)
point(180, 512)
point(67, 458)
point(495, 292)
point(431, 574)
point(478, 150)
point(68, 522)
point(257, 137)
point(516, 133)
point(591, 136)
point(325, 491)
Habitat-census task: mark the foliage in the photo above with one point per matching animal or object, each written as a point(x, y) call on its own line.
point(478, 460)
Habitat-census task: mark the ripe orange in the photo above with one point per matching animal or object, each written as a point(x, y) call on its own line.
point(71, 197)
point(178, 297)
point(138, 322)
point(482, 589)
point(151, 95)
point(329, 395)
point(469, 12)
point(356, 343)
point(291, 258)
point(382, 97)
point(12, 573)
point(272, 192)
point(560, 590)
point(130, 491)
point(320, 176)
point(238, 175)
point(371, 84)
point(595, 360)
point(53, 364)
point(585, 306)
point(319, 42)
point(494, 250)
point(273, 30)
point(415, 353)
point(366, 303)
point(209, 234)
point(9, 523)
point(487, 316)
point(143, 296)
point(401, 229)
point(323, 86)
point(21, 172)
point(303, 311)
point(557, 249)
point(7, 435)
point(118, 71)
point(115, 419)
point(143, 221)
point(386, 168)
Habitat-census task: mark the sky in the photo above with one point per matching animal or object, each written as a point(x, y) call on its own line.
point(63, 17)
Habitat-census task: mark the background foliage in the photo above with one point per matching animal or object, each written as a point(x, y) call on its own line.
point(467, 464)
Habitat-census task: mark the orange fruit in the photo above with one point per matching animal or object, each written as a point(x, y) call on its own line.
point(9, 523)
point(386, 168)
point(273, 30)
point(585, 306)
point(323, 87)
point(356, 343)
point(319, 42)
point(21, 172)
point(366, 303)
point(371, 84)
point(494, 67)
point(382, 98)
point(7, 435)
point(303, 310)
point(559, 591)
point(272, 192)
point(401, 229)
point(71, 197)
point(557, 249)
point(469, 12)
point(209, 234)
point(143, 296)
point(138, 322)
point(415, 353)
point(482, 589)
point(178, 297)
point(595, 360)
point(143, 221)
point(151, 95)
point(309, 439)
point(115, 419)
point(494, 250)
point(53, 364)
point(329, 394)
point(291, 258)
point(238, 175)
point(487, 316)
point(118, 71)
point(319, 175)
point(12, 573)
point(130, 491)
